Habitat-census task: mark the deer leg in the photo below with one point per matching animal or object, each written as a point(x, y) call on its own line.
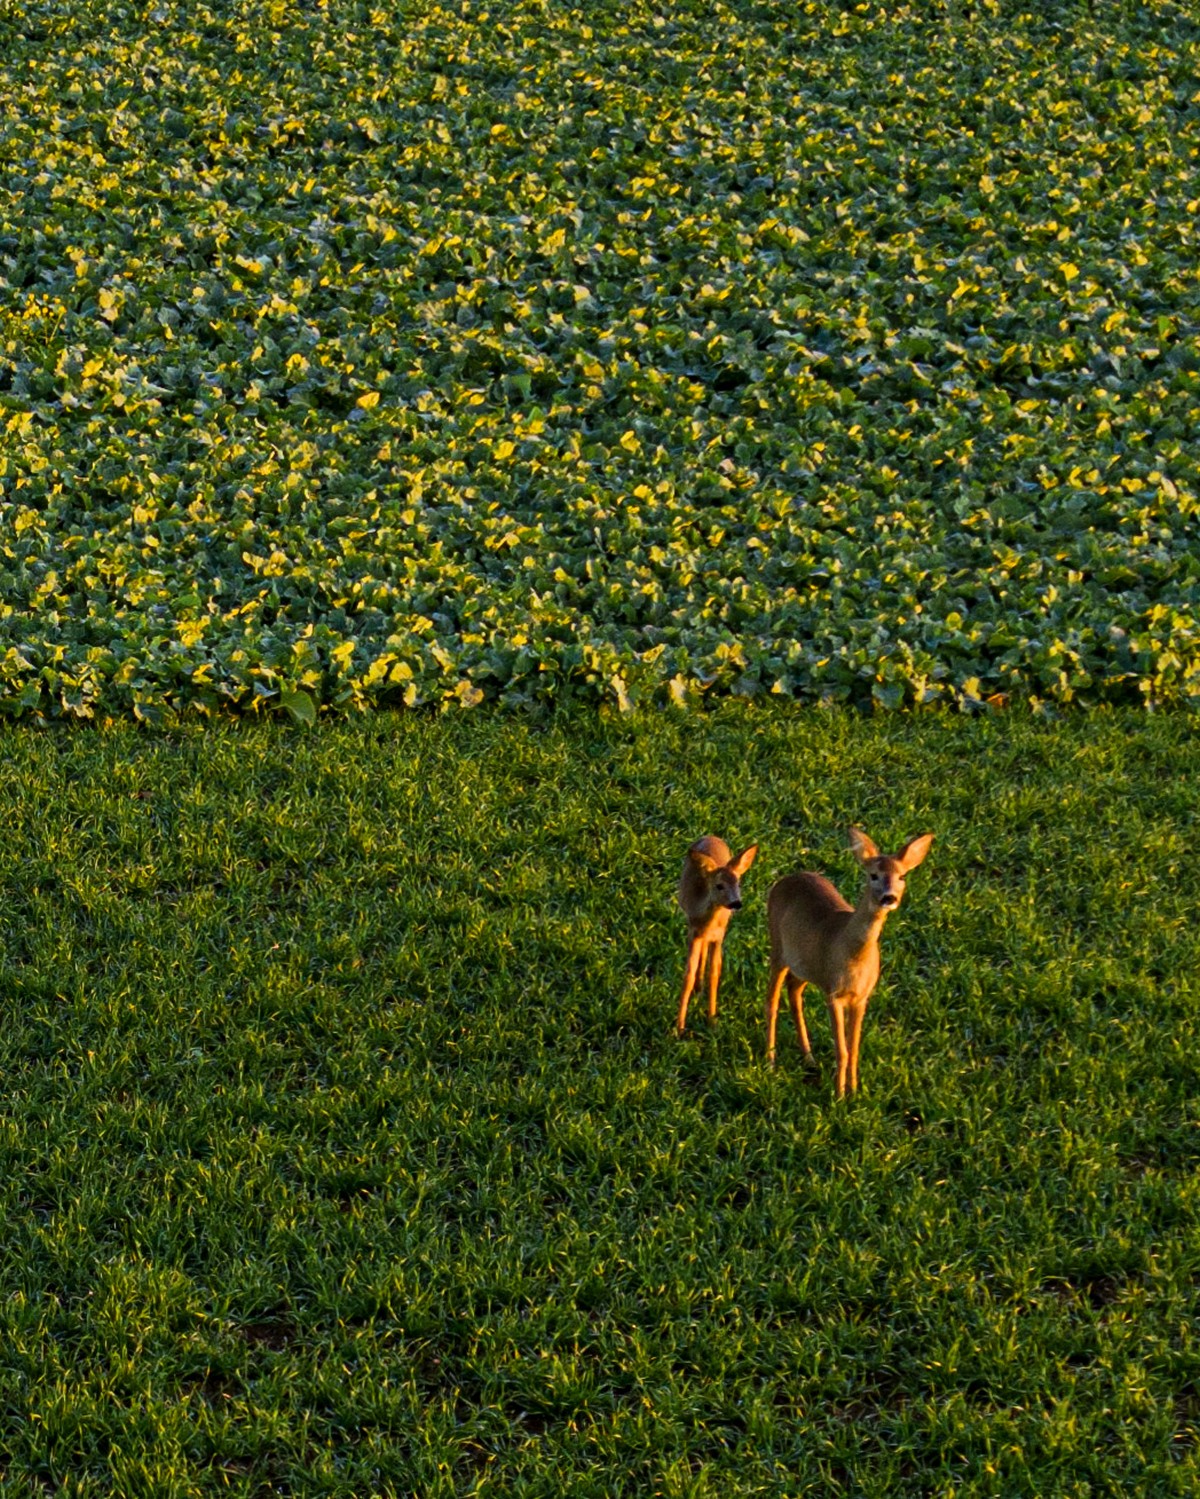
point(795, 988)
point(714, 978)
point(772, 1010)
point(857, 1015)
point(837, 1020)
point(695, 953)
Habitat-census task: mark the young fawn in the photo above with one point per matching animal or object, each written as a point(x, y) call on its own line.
point(710, 891)
point(819, 938)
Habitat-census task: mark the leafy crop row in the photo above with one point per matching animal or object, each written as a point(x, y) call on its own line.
point(353, 354)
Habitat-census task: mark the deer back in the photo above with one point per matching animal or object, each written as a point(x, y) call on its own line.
point(809, 920)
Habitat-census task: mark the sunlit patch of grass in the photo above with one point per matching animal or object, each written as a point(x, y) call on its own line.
point(346, 1146)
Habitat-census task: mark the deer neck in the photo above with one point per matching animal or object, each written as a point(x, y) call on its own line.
point(862, 930)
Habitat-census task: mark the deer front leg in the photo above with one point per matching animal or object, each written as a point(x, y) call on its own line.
point(714, 978)
point(695, 953)
point(837, 1021)
point(795, 989)
point(772, 1010)
point(857, 1015)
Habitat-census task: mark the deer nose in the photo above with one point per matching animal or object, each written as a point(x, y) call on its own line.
point(735, 905)
point(887, 900)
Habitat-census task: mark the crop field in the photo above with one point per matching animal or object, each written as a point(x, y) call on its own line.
point(356, 354)
point(347, 1147)
point(766, 361)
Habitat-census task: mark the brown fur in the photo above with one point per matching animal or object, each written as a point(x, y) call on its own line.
point(818, 938)
point(709, 891)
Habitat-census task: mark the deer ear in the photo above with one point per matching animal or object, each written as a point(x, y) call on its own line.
point(863, 848)
point(744, 860)
point(702, 861)
point(915, 850)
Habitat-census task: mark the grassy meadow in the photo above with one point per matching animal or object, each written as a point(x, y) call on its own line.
point(347, 1148)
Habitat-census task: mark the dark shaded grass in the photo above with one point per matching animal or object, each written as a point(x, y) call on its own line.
point(346, 1149)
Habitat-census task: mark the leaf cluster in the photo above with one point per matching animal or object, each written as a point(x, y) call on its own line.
point(626, 352)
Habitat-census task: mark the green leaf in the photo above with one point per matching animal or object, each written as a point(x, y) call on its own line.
point(299, 705)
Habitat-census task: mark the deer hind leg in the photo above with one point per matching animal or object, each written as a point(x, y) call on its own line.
point(690, 974)
point(837, 1021)
point(857, 1015)
point(772, 1009)
point(714, 979)
point(795, 988)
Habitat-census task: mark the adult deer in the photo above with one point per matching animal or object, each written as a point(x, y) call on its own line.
point(819, 938)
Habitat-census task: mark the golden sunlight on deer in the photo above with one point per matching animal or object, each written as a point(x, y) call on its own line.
point(710, 891)
point(818, 938)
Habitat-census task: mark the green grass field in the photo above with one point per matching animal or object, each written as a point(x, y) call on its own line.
point(347, 1148)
